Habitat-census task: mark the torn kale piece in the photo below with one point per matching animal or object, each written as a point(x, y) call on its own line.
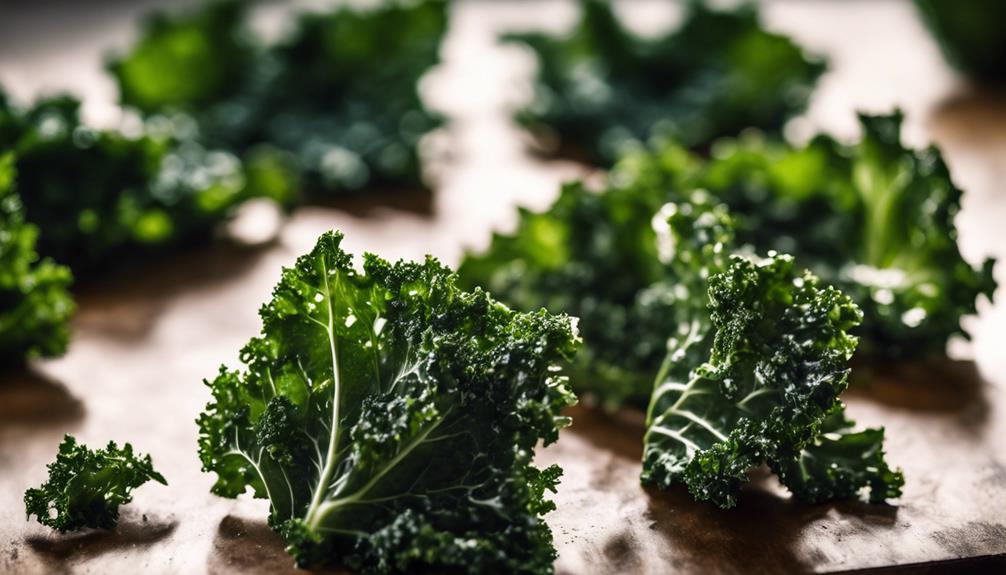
point(86, 487)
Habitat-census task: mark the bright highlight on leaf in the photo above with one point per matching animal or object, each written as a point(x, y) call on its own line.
point(874, 218)
point(86, 487)
point(391, 418)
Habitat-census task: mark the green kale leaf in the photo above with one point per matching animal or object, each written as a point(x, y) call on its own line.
point(594, 256)
point(99, 196)
point(391, 418)
point(875, 219)
point(339, 95)
point(602, 87)
point(35, 306)
point(86, 487)
point(753, 376)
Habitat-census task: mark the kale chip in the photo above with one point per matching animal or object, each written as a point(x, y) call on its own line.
point(601, 87)
point(100, 196)
point(86, 487)
point(874, 218)
point(339, 95)
point(391, 419)
point(35, 306)
point(753, 375)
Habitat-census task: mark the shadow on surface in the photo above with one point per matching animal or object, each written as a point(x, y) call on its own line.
point(245, 545)
point(620, 433)
point(774, 532)
point(416, 201)
point(126, 303)
point(59, 551)
point(938, 387)
point(32, 399)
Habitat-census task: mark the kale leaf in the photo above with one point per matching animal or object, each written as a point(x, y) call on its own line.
point(35, 306)
point(391, 418)
point(591, 255)
point(339, 95)
point(86, 487)
point(602, 87)
point(875, 219)
point(98, 195)
point(753, 376)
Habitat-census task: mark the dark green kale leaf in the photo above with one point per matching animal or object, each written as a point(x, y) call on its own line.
point(970, 36)
point(100, 196)
point(602, 87)
point(593, 256)
point(753, 375)
point(875, 219)
point(35, 306)
point(391, 419)
point(86, 487)
point(339, 94)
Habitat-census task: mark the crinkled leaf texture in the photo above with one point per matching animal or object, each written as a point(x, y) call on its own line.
point(391, 418)
point(86, 487)
point(593, 256)
point(754, 375)
point(35, 306)
point(601, 87)
point(338, 95)
point(875, 219)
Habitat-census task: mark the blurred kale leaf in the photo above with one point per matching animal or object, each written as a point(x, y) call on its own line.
point(601, 86)
point(873, 218)
point(86, 487)
point(339, 94)
point(101, 196)
point(970, 34)
point(35, 306)
point(391, 419)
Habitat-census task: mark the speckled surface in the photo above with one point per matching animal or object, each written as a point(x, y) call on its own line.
point(145, 338)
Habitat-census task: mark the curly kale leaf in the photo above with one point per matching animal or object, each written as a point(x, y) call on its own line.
point(753, 375)
point(101, 196)
point(86, 487)
point(602, 87)
point(593, 256)
point(35, 306)
point(391, 418)
point(875, 219)
point(339, 94)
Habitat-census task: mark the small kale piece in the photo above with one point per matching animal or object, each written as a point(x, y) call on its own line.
point(86, 487)
point(339, 95)
point(875, 219)
point(391, 418)
point(602, 87)
point(101, 196)
point(753, 376)
point(35, 306)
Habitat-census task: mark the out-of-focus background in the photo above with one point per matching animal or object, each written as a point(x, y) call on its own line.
point(146, 335)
